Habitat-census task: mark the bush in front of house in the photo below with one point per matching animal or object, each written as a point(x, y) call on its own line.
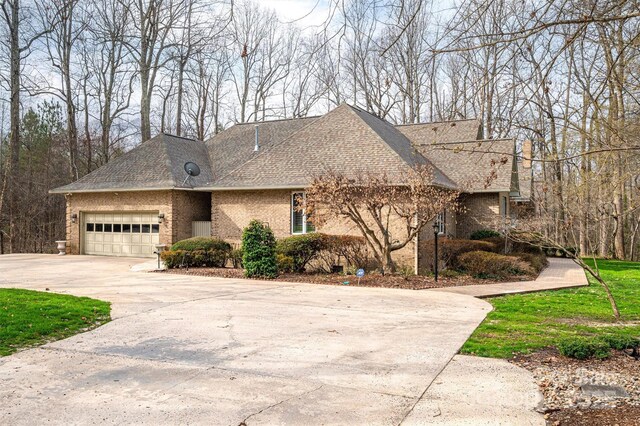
point(286, 264)
point(538, 261)
point(176, 258)
point(259, 251)
point(482, 234)
point(513, 246)
point(488, 264)
point(346, 250)
point(302, 249)
point(450, 250)
point(202, 243)
point(583, 348)
point(236, 258)
point(323, 250)
point(194, 258)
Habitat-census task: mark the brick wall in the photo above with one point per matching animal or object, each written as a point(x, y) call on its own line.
point(179, 209)
point(479, 211)
point(231, 212)
point(188, 206)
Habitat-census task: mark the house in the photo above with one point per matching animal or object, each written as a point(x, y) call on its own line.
point(255, 171)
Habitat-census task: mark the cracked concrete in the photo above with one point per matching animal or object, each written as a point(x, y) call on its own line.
point(197, 350)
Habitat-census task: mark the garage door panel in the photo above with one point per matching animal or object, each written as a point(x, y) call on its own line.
point(120, 233)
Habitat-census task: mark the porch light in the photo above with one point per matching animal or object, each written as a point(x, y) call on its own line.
point(160, 217)
point(74, 217)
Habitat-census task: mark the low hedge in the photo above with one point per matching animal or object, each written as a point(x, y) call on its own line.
point(481, 234)
point(538, 261)
point(194, 258)
point(346, 250)
point(300, 249)
point(598, 347)
point(583, 348)
point(514, 246)
point(324, 250)
point(449, 250)
point(202, 243)
point(489, 264)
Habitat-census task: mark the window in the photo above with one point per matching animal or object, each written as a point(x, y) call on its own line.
point(90, 227)
point(146, 229)
point(155, 228)
point(126, 227)
point(117, 227)
point(441, 220)
point(98, 227)
point(107, 227)
point(300, 223)
point(135, 228)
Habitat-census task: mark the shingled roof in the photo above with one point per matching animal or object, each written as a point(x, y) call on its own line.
point(155, 164)
point(235, 145)
point(346, 140)
point(443, 131)
point(485, 165)
point(292, 152)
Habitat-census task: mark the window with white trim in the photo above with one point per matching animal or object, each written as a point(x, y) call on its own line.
point(300, 223)
point(441, 220)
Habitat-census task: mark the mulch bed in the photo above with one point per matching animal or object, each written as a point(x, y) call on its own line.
point(414, 282)
point(560, 380)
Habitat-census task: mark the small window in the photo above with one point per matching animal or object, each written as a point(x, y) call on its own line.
point(135, 228)
point(90, 227)
point(146, 228)
point(504, 207)
point(155, 228)
point(98, 227)
point(117, 227)
point(107, 227)
point(441, 220)
point(300, 223)
point(126, 227)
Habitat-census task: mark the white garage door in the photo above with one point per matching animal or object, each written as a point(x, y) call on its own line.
point(121, 233)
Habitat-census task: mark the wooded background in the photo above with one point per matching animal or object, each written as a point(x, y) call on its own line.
point(82, 81)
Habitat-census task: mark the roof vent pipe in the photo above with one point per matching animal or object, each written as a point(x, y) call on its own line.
point(257, 147)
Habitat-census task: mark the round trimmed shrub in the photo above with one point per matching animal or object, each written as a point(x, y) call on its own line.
point(202, 243)
point(259, 251)
point(302, 249)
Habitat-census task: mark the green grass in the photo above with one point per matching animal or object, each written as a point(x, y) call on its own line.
point(528, 322)
point(30, 318)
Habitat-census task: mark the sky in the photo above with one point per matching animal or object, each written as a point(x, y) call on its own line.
point(304, 12)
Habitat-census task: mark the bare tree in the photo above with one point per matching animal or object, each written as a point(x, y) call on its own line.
point(388, 211)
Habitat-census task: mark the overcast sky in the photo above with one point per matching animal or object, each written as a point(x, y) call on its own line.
point(304, 12)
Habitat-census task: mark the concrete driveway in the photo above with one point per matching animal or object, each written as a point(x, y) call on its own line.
point(196, 350)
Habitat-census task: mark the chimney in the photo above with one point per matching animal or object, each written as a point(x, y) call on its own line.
point(526, 154)
point(256, 148)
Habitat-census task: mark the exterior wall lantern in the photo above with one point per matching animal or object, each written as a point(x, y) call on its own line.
point(160, 217)
point(74, 217)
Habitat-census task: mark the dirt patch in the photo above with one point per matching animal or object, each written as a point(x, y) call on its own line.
point(414, 282)
point(589, 392)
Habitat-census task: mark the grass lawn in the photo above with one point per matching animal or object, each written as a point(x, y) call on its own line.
point(527, 322)
point(31, 318)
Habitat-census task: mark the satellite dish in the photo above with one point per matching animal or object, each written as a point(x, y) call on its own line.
point(192, 169)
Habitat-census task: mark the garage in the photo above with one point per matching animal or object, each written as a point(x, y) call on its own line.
point(132, 234)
